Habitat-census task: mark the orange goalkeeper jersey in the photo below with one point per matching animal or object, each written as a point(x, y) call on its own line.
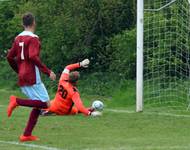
point(67, 95)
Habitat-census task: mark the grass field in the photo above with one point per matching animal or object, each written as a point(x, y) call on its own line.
point(120, 128)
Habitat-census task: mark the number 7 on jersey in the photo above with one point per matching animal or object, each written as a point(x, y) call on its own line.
point(21, 44)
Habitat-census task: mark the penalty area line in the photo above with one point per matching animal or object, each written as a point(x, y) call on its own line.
point(30, 145)
point(148, 113)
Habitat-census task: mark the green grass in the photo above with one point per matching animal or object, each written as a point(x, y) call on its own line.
point(112, 131)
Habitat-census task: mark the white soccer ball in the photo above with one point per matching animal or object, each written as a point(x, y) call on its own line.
point(97, 105)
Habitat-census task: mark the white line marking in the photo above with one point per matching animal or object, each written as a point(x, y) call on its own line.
point(132, 112)
point(148, 113)
point(30, 145)
point(111, 148)
point(133, 147)
point(167, 147)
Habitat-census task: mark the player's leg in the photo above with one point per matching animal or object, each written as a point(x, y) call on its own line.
point(39, 98)
point(56, 110)
point(38, 95)
point(27, 136)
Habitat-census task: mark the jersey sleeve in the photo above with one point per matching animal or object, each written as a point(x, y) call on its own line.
point(34, 52)
point(78, 103)
point(72, 66)
point(68, 68)
point(11, 57)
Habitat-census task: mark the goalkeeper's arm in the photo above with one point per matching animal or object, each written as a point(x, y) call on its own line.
point(71, 67)
point(81, 108)
point(79, 104)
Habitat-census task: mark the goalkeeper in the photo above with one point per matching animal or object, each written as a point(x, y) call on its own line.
point(67, 100)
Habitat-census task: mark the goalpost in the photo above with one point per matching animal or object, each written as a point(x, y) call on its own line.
point(163, 53)
point(139, 61)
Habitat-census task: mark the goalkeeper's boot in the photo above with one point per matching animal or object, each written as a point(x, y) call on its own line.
point(12, 105)
point(23, 138)
point(46, 113)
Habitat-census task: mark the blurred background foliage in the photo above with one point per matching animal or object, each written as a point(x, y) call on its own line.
point(71, 30)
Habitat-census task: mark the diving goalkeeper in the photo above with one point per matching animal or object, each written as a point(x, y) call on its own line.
point(67, 100)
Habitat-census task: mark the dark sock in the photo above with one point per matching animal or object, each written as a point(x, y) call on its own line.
point(32, 121)
point(31, 103)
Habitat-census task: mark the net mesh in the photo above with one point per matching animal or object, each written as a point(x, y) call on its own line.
point(166, 52)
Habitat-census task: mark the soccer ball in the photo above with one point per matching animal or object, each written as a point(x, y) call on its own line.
point(97, 105)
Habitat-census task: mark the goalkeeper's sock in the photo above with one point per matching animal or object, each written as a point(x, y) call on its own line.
point(32, 121)
point(31, 103)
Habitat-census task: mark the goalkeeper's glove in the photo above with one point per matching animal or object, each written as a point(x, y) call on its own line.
point(84, 63)
point(95, 114)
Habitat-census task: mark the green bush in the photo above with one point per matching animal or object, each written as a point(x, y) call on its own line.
point(8, 77)
point(122, 50)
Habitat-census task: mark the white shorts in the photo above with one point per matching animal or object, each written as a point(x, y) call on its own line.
point(36, 92)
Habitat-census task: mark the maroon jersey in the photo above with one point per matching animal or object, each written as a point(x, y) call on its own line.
point(24, 56)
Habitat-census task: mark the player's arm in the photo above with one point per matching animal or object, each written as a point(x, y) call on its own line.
point(11, 58)
point(34, 52)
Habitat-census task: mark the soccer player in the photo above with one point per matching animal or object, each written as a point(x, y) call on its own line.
point(67, 99)
point(24, 58)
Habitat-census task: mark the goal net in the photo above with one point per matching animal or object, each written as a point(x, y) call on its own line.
point(166, 53)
